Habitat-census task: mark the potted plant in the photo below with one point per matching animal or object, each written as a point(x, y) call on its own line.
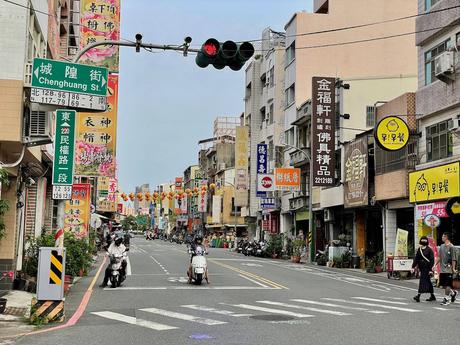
point(297, 246)
point(370, 265)
point(275, 246)
point(378, 259)
point(346, 259)
point(337, 261)
point(321, 260)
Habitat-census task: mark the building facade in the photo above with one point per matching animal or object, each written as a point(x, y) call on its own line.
point(438, 109)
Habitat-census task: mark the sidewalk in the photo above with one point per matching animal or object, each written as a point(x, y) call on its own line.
point(14, 321)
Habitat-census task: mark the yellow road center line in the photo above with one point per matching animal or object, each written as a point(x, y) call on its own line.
point(56, 263)
point(252, 275)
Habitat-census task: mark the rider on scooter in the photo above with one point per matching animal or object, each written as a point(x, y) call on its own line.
point(117, 247)
point(198, 242)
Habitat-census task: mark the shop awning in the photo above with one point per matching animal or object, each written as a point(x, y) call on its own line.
point(238, 225)
point(213, 226)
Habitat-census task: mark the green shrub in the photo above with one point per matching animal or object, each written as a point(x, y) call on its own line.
point(275, 244)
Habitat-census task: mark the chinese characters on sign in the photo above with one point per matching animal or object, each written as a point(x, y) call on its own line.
point(241, 166)
point(100, 21)
point(96, 138)
point(323, 131)
point(392, 133)
point(106, 194)
point(64, 147)
point(287, 179)
point(262, 158)
point(77, 211)
point(356, 173)
point(441, 182)
point(437, 208)
point(203, 199)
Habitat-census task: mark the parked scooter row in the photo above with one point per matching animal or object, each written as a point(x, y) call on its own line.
point(252, 248)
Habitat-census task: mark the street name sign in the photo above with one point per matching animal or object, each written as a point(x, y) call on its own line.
point(64, 144)
point(62, 192)
point(68, 99)
point(74, 85)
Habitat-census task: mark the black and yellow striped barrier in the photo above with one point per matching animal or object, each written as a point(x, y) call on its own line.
point(47, 311)
point(309, 237)
point(55, 268)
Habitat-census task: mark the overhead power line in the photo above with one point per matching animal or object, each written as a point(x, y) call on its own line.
point(351, 27)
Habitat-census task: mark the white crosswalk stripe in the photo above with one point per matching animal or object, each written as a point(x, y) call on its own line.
point(373, 305)
point(287, 305)
point(338, 306)
point(214, 310)
point(380, 300)
point(181, 316)
point(133, 321)
point(270, 310)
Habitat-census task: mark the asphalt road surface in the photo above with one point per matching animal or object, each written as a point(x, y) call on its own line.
point(252, 301)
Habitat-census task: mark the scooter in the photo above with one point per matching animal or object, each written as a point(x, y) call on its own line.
point(199, 269)
point(117, 275)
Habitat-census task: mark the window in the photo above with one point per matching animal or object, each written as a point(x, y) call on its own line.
point(290, 53)
point(238, 209)
point(271, 114)
point(429, 60)
point(248, 91)
point(370, 116)
point(271, 76)
point(290, 95)
point(430, 3)
point(438, 141)
point(270, 150)
point(289, 136)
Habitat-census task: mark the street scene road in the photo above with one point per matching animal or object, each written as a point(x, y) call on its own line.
point(251, 301)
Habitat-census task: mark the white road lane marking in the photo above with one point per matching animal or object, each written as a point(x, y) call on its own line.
point(269, 310)
point(214, 310)
point(253, 281)
point(373, 305)
point(185, 317)
point(189, 287)
point(327, 304)
point(159, 264)
point(317, 310)
point(380, 300)
point(133, 321)
point(128, 267)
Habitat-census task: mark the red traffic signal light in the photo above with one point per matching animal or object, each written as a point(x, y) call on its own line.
point(224, 54)
point(211, 47)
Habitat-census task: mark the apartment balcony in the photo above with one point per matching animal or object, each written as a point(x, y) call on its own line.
point(300, 200)
point(298, 158)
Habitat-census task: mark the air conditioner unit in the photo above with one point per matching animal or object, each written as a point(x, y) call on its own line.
point(444, 66)
point(453, 124)
point(37, 126)
point(328, 215)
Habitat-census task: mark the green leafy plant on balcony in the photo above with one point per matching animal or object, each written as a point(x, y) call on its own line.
point(4, 206)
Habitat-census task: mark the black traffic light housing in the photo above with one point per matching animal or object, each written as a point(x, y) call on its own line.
point(228, 53)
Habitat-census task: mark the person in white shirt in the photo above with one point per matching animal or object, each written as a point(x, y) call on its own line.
point(117, 247)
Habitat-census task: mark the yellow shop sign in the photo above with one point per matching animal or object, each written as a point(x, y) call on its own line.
point(392, 133)
point(441, 182)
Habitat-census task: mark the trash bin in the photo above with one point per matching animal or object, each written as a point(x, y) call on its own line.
point(355, 261)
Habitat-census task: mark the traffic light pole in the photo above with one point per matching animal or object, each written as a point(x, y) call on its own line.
point(138, 44)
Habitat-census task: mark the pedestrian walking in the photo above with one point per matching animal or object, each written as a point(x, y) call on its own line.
point(448, 260)
point(424, 261)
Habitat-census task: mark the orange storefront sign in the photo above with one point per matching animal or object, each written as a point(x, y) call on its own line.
point(287, 179)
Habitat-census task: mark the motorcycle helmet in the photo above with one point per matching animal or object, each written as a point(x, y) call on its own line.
point(118, 241)
point(198, 240)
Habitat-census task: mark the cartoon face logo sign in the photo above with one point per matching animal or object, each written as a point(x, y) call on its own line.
point(267, 182)
point(421, 186)
point(392, 133)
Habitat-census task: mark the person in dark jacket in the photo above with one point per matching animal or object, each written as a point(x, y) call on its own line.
point(424, 260)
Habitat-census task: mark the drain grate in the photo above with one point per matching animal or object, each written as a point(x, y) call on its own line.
point(271, 317)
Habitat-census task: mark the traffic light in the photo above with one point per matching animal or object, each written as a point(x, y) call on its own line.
point(228, 53)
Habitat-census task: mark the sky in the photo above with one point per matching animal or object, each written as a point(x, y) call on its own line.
point(167, 103)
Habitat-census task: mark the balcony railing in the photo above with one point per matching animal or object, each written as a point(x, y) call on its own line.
point(298, 158)
point(298, 202)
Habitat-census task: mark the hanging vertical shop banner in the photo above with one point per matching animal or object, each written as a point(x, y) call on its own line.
point(241, 166)
point(203, 202)
point(77, 211)
point(63, 163)
point(95, 145)
point(106, 194)
point(323, 131)
point(356, 173)
point(262, 159)
point(178, 183)
point(100, 21)
point(184, 204)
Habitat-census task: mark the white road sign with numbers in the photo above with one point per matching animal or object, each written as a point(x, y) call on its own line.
point(62, 192)
point(69, 99)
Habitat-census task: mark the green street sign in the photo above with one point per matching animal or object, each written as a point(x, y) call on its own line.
point(70, 77)
point(64, 144)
